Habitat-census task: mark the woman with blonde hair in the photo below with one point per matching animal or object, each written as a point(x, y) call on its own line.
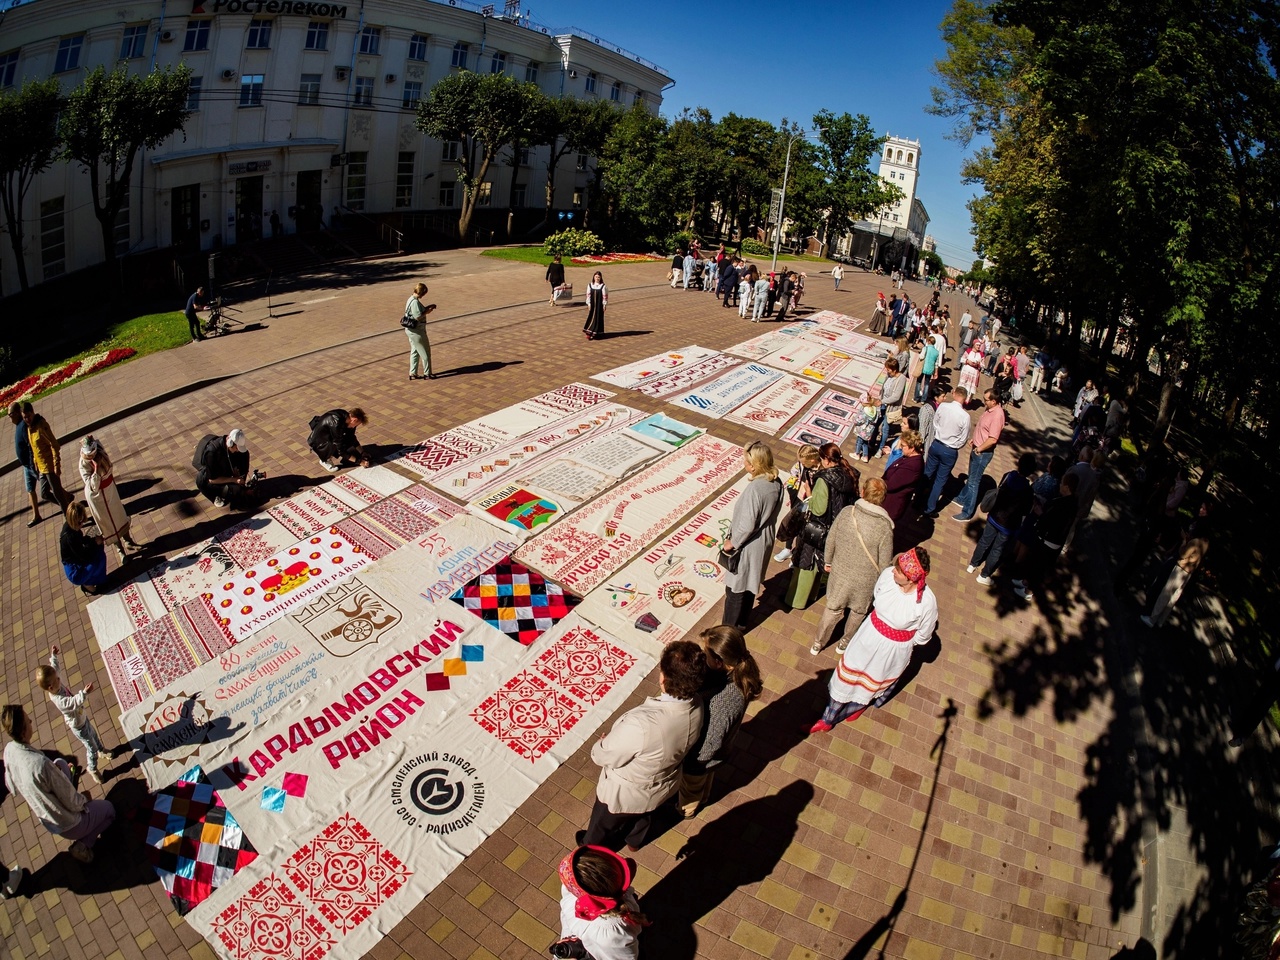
point(419, 346)
point(732, 681)
point(751, 530)
point(103, 496)
point(83, 559)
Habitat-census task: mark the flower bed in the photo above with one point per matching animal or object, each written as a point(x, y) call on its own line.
point(616, 258)
point(39, 383)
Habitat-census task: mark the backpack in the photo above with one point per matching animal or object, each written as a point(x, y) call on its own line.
point(202, 447)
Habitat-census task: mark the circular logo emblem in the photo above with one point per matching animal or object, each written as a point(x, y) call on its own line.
point(437, 792)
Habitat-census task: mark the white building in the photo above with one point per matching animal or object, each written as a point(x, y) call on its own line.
point(284, 91)
point(904, 221)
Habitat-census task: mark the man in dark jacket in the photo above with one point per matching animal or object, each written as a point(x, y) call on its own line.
point(1050, 533)
point(22, 450)
point(1013, 500)
point(333, 438)
point(222, 467)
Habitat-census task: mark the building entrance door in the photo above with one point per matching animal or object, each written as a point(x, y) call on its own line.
point(184, 228)
point(309, 208)
point(248, 209)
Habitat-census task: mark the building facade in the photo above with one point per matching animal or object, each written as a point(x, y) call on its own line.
point(900, 227)
point(302, 109)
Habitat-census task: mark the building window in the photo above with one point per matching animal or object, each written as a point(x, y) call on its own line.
point(404, 179)
point(899, 156)
point(449, 153)
point(446, 193)
point(251, 90)
point(615, 92)
point(370, 40)
point(134, 43)
point(259, 36)
point(364, 92)
point(582, 161)
point(888, 154)
point(318, 35)
point(577, 198)
point(8, 67)
point(531, 73)
point(895, 218)
point(526, 156)
point(53, 248)
point(638, 98)
point(357, 169)
point(417, 47)
point(484, 195)
point(498, 64)
point(193, 93)
point(309, 88)
point(519, 194)
point(460, 55)
point(68, 54)
point(591, 83)
point(120, 231)
point(412, 94)
point(197, 35)
point(911, 159)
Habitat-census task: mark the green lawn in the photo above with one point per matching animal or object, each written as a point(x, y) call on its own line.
point(146, 334)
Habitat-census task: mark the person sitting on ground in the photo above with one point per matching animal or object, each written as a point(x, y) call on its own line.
point(84, 560)
point(48, 787)
point(333, 438)
point(222, 467)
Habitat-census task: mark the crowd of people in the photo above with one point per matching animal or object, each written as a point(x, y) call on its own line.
point(851, 539)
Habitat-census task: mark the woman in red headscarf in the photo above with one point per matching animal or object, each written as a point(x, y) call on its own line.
point(904, 614)
point(599, 914)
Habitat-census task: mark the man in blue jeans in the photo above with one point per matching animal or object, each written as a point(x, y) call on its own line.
point(950, 432)
point(982, 447)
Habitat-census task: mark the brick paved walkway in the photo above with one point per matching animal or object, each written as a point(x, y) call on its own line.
point(930, 835)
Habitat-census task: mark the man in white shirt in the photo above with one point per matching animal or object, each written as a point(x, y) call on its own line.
point(951, 426)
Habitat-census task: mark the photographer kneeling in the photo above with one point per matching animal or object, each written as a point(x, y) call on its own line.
point(222, 468)
point(333, 438)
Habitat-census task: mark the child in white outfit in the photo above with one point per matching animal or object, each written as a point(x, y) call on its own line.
point(72, 707)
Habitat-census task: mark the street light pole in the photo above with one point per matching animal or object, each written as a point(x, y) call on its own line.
point(782, 201)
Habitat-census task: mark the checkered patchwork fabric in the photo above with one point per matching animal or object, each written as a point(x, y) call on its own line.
point(195, 844)
point(518, 601)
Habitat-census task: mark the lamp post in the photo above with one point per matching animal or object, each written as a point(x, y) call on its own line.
point(782, 201)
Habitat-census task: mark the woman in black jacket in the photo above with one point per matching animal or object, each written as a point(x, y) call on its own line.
point(555, 276)
point(333, 438)
point(84, 561)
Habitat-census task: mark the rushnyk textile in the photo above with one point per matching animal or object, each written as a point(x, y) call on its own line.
point(664, 592)
point(830, 420)
point(320, 507)
point(770, 409)
point(596, 540)
point(356, 824)
point(687, 377)
point(450, 447)
point(806, 358)
point(631, 375)
point(729, 390)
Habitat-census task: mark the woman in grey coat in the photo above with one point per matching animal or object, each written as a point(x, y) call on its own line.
point(859, 547)
point(751, 531)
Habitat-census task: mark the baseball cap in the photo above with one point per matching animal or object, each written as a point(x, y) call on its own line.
point(236, 439)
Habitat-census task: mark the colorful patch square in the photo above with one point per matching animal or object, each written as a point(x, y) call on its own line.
point(295, 784)
point(273, 799)
point(437, 681)
point(473, 653)
point(516, 600)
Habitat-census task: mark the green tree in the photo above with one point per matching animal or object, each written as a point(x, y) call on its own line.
point(573, 126)
point(747, 147)
point(933, 264)
point(637, 180)
point(483, 112)
point(29, 119)
point(107, 119)
point(844, 149)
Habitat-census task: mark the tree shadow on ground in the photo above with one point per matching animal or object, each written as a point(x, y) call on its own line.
point(885, 926)
point(1163, 751)
point(740, 847)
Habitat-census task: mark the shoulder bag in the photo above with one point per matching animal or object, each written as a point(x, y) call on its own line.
point(730, 559)
point(407, 321)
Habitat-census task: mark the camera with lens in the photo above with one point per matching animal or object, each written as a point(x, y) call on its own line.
point(568, 947)
point(252, 479)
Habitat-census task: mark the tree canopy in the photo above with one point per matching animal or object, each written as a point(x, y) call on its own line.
point(29, 119)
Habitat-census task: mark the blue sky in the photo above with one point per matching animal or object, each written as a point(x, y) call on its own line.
point(771, 61)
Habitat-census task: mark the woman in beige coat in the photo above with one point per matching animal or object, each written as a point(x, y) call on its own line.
point(859, 547)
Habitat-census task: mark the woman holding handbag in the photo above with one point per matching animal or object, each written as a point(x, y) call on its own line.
point(859, 546)
point(835, 486)
point(751, 530)
point(414, 322)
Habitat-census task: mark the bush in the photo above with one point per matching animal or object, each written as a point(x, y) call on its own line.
point(682, 240)
point(573, 243)
point(755, 248)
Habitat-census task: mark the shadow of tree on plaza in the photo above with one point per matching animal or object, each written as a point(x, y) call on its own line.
point(1163, 753)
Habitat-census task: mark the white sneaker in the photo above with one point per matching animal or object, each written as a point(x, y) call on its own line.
point(81, 852)
point(1024, 593)
point(985, 581)
point(331, 467)
point(219, 502)
point(970, 568)
point(783, 555)
point(93, 775)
